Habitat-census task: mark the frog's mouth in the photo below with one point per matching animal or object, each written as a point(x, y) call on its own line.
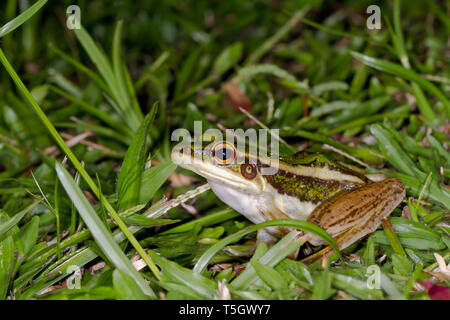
point(227, 175)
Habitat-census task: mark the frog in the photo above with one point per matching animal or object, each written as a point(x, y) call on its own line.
point(309, 186)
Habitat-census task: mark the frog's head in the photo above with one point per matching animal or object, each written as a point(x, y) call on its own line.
point(221, 163)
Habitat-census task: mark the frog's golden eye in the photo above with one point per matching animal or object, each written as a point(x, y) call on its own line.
point(223, 153)
point(248, 170)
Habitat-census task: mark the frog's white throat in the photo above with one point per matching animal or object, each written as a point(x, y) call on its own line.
point(245, 203)
point(263, 206)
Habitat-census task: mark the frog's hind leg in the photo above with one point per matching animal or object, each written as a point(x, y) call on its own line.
point(343, 240)
point(349, 216)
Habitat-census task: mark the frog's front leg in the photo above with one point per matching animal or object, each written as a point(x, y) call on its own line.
point(350, 215)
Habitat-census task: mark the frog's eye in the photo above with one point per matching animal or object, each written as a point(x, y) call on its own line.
point(224, 153)
point(248, 170)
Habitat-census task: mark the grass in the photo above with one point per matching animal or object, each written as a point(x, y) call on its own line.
point(108, 96)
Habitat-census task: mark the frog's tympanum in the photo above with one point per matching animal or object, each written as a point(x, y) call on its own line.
point(305, 186)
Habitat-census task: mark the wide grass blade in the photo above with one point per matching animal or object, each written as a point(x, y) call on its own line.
point(175, 273)
point(153, 178)
point(267, 274)
point(6, 264)
point(391, 149)
point(107, 72)
point(125, 287)
point(271, 258)
point(8, 225)
point(98, 230)
point(129, 182)
point(21, 18)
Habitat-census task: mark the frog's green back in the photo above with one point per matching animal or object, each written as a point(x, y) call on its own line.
point(313, 177)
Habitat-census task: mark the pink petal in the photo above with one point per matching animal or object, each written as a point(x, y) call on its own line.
point(437, 292)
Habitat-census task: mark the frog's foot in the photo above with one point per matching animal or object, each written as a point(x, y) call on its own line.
point(272, 235)
point(349, 216)
point(269, 235)
point(318, 255)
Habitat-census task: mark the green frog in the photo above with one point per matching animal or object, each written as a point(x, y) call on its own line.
point(306, 186)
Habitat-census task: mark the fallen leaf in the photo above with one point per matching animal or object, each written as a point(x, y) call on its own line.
point(236, 97)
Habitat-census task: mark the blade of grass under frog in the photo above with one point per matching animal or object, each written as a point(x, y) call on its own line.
point(103, 238)
point(271, 258)
point(290, 223)
point(322, 289)
point(21, 18)
point(355, 286)
point(210, 219)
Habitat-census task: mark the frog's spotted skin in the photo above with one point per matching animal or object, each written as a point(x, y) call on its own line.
point(307, 188)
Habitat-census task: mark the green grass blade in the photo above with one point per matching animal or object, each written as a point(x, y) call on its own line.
point(290, 223)
point(129, 182)
point(95, 111)
point(205, 221)
point(6, 264)
point(399, 71)
point(91, 74)
point(125, 287)
point(105, 69)
point(153, 178)
point(274, 39)
point(438, 146)
point(62, 144)
point(21, 18)
point(175, 273)
point(30, 234)
point(267, 274)
point(8, 225)
point(98, 230)
point(392, 150)
point(117, 67)
point(227, 58)
point(271, 258)
point(251, 71)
